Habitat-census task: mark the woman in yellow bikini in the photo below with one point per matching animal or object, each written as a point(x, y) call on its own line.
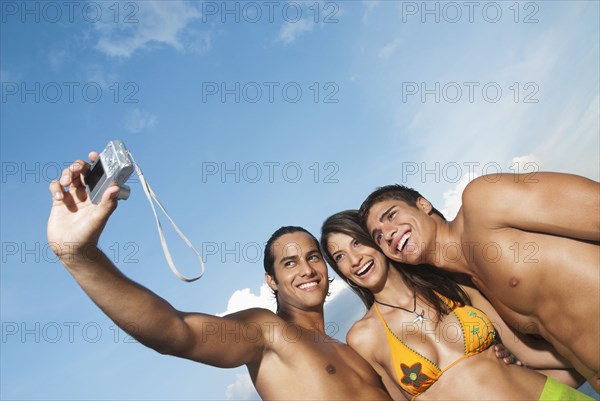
point(428, 337)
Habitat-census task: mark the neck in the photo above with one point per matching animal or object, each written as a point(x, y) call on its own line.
point(395, 291)
point(313, 320)
point(449, 250)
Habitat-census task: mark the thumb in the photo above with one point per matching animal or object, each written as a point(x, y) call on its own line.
point(109, 201)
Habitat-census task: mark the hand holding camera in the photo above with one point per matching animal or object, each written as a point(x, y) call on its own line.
point(75, 223)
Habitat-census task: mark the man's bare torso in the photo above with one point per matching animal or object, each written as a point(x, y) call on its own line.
point(305, 364)
point(540, 284)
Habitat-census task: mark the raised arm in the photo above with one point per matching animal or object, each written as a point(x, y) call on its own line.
point(74, 227)
point(553, 203)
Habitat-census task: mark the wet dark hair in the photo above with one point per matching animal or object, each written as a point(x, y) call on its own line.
point(395, 192)
point(269, 259)
point(422, 279)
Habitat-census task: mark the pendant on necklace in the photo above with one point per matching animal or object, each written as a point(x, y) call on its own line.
point(420, 317)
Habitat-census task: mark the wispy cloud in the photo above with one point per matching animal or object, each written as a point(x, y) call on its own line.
point(138, 120)
point(10, 76)
point(563, 120)
point(389, 49)
point(576, 133)
point(518, 164)
point(100, 74)
point(57, 59)
point(370, 5)
point(291, 31)
point(157, 23)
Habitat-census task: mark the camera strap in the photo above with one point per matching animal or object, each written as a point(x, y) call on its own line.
point(151, 195)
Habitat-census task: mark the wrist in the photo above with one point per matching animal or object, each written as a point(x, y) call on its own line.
point(73, 254)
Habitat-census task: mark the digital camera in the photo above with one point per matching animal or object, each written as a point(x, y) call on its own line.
point(114, 164)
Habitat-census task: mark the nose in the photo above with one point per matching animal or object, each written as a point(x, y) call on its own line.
point(387, 232)
point(307, 270)
point(354, 258)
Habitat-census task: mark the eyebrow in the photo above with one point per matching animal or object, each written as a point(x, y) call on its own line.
point(386, 213)
point(313, 252)
point(288, 258)
point(383, 216)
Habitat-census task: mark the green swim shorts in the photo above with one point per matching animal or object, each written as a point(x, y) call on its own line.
point(556, 391)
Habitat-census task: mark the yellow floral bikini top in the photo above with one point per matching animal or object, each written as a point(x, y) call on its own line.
point(414, 372)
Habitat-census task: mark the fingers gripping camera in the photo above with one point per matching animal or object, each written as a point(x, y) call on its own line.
point(114, 164)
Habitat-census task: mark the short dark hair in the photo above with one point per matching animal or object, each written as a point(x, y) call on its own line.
point(424, 280)
point(269, 259)
point(395, 192)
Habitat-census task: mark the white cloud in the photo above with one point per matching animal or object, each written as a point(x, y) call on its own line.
point(453, 197)
point(158, 23)
point(138, 120)
point(290, 31)
point(241, 389)
point(524, 164)
point(245, 299)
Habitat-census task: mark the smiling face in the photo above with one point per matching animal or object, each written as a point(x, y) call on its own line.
point(300, 278)
point(402, 231)
point(363, 265)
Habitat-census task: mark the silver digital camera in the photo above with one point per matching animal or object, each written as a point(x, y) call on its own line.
point(114, 164)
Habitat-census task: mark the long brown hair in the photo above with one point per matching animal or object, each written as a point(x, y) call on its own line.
point(422, 279)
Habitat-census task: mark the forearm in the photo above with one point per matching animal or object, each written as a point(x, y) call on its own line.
point(570, 377)
point(144, 315)
point(535, 353)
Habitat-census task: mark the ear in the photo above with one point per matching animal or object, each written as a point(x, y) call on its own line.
point(424, 205)
point(271, 281)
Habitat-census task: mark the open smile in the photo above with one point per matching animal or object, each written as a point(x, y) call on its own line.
point(365, 269)
point(309, 285)
point(400, 244)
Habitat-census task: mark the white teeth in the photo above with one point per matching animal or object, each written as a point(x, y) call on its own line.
point(403, 240)
point(307, 285)
point(364, 268)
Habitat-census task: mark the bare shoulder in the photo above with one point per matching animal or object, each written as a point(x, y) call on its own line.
point(258, 326)
point(253, 315)
point(495, 187)
point(257, 320)
point(484, 187)
point(490, 193)
point(495, 195)
point(360, 336)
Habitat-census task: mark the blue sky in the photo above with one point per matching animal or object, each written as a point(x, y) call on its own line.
point(246, 116)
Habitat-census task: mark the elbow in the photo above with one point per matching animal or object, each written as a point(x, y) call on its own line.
point(164, 350)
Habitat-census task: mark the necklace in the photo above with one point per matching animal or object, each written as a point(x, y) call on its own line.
point(420, 316)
